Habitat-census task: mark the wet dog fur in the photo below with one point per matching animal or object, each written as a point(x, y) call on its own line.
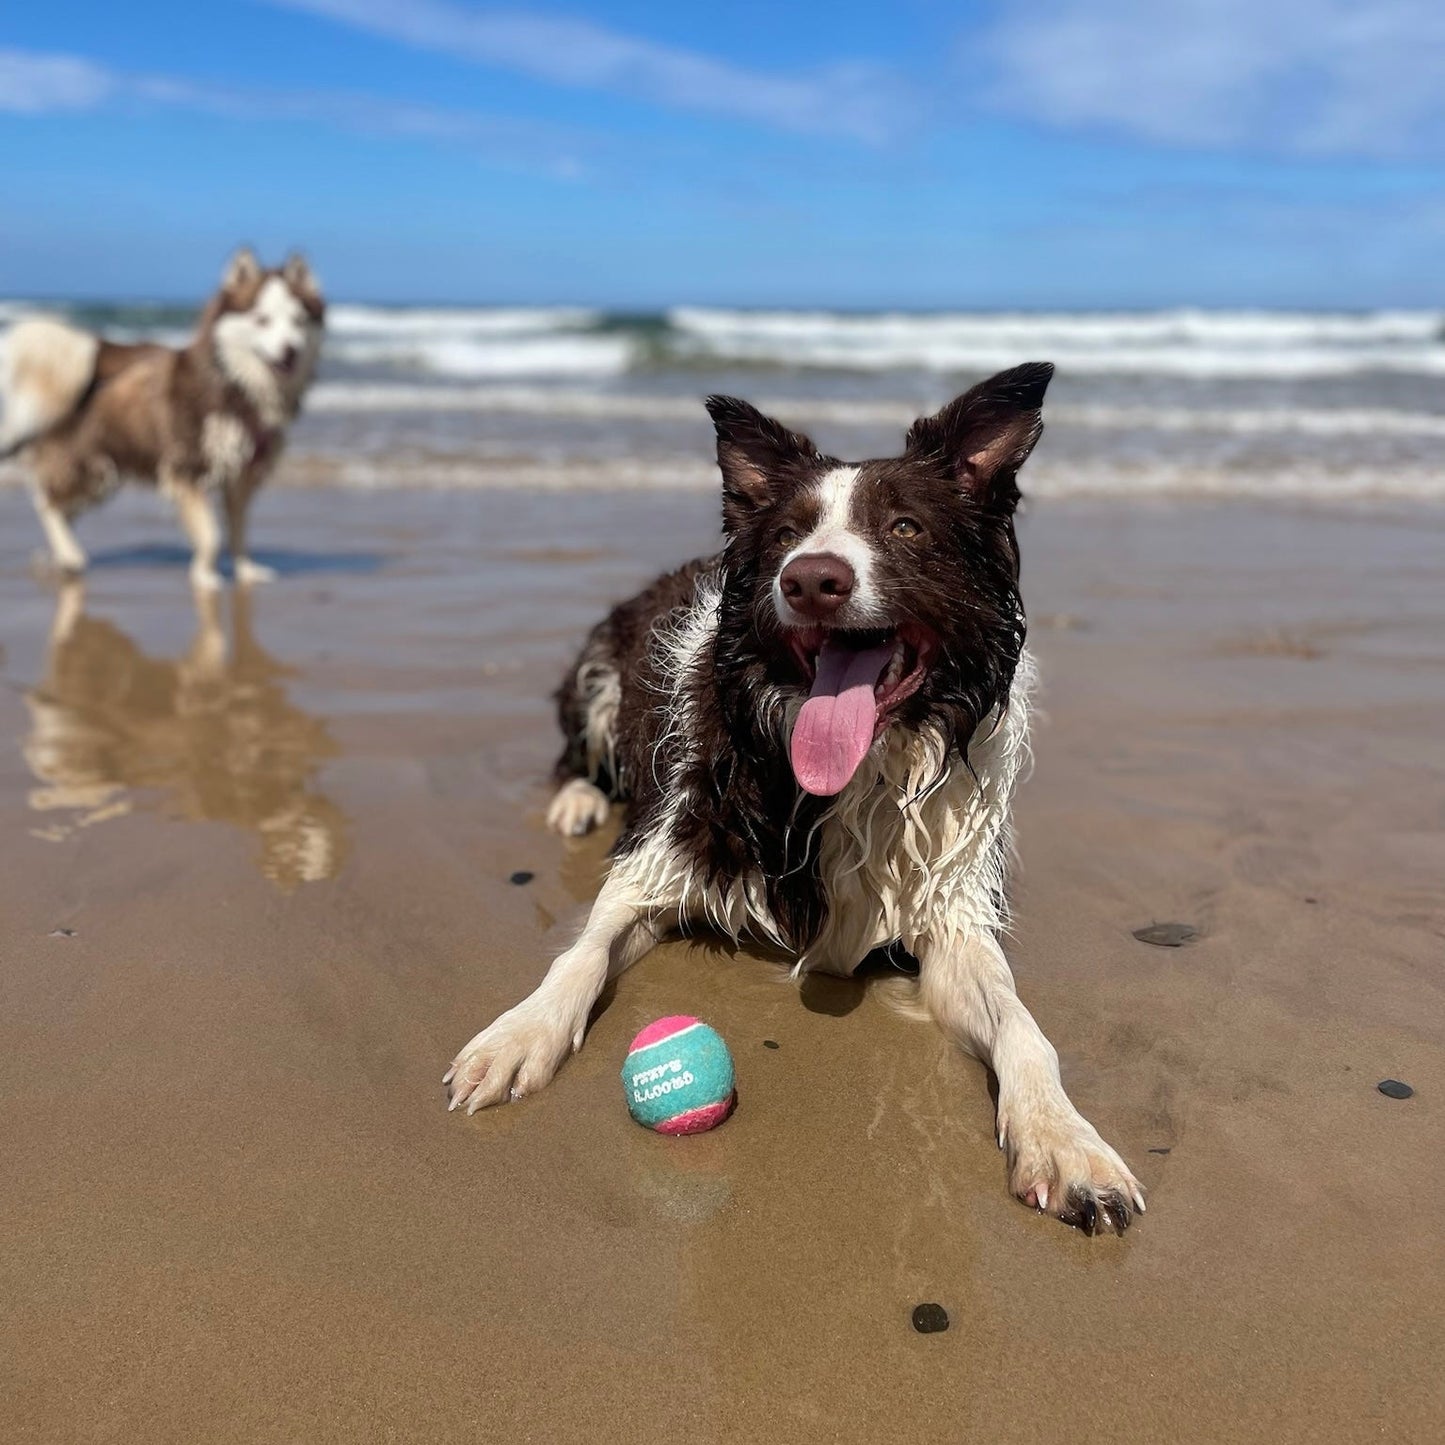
point(685, 706)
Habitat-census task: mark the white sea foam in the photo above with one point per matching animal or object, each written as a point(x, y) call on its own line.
point(1271, 421)
point(461, 344)
point(351, 320)
point(461, 356)
point(364, 396)
point(1048, 480)
point(1185, 343)
point(1291, 482)
point(562, 403)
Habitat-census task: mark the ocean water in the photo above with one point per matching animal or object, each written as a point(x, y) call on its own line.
point(1178, 402)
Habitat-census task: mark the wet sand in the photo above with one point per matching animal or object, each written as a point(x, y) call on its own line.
point(236, 1208)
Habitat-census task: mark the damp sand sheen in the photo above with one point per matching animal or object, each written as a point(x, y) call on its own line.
point(237, 1209)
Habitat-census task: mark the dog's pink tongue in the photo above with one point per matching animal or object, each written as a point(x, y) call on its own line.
point(835, 728)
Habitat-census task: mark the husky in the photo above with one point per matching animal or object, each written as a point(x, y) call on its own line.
point(208, 420)
point(816, 734)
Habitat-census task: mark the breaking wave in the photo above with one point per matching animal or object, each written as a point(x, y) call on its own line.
point(443, 344)
point(1325, 406)
point(1185, 343)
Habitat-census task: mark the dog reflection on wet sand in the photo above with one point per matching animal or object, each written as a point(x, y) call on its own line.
point(209, 736)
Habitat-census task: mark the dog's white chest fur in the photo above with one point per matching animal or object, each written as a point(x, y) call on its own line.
point(228, 448)
point(903, 848)
point(915, 837)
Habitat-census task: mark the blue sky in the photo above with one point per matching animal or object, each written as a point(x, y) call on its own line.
point(1054, 153)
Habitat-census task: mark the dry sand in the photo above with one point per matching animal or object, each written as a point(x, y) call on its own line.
point(235, 1207)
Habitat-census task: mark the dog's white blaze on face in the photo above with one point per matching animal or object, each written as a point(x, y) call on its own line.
point(835, 534)
point(276, 324)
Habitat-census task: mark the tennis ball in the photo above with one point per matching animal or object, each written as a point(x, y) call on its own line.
point(678, 1077)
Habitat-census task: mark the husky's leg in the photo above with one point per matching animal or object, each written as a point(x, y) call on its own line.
point(65, 551)
point(198, 522)
point(521, 1051)
point(1057, 1161)
point(238, 506)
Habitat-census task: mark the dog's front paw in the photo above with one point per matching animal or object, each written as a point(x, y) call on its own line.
point(205, 579)
point(249, 573)
point(517, 1055)
point(578, 808)
point(1060, 1166)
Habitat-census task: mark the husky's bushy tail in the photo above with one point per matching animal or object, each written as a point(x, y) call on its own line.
point(46, 369)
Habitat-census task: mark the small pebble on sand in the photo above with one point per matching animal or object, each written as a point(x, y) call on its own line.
point(62, 933)
point(1394, 1089)
point(1167, 935)
point(771, 1044)
point(929, 1319)
point(521, 876)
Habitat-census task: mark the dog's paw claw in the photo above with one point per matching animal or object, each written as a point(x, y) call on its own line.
point(1059, 1165)
point(516, 1056)
point(1093, 1213)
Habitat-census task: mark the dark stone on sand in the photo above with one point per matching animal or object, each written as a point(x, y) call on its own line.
point(521, 876)
point(1159, 1151)
point(1167, 935)
point(929, 1319)
point(771, 1044)
point(62, 933)
point(1394, 1089)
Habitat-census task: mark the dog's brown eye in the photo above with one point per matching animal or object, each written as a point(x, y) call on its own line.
point(786, 537)
point(906, 527)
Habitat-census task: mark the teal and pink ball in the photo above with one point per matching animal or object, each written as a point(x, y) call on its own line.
point(678, 1077)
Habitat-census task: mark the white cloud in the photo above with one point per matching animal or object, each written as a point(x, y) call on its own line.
point(853, 99)
point(36, 84)
point(1297, 77)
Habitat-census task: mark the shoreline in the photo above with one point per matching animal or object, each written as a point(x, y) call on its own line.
point(1103, 486)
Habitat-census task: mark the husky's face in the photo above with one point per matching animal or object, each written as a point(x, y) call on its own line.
point(267, 324)
point(884, 591)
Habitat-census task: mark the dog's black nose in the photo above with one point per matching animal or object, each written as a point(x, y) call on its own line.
point(817, 584)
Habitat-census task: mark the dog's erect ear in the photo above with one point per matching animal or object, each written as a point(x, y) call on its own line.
point(242, 271)
point(754, 453)
point(984, 436)
point(299, 276)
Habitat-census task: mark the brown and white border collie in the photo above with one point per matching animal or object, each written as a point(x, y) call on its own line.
point(207, 420)
point(817, 734)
